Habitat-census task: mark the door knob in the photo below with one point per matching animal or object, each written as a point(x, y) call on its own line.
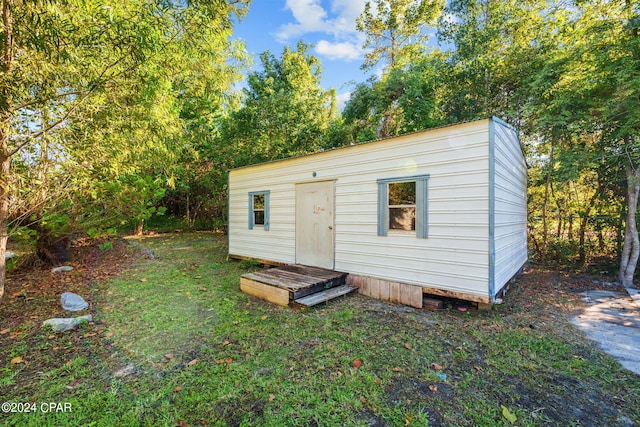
point(330, 227)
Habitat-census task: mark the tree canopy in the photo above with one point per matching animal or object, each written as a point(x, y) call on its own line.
point(90, 107)
point(113, 112)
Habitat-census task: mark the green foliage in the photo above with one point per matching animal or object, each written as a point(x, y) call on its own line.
point(395, 30)
point(401, 101)
point(149, 122)
point(285, 111)
point(97, 134)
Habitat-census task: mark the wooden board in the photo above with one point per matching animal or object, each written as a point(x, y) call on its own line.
point(282, 284)
point(267, 292)
point(432, 303)
point(278, 282)
point(327, 295)
point(407, 294)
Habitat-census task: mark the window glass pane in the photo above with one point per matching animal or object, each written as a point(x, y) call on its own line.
point(258, 201)
point(258, 217)
point(402, 193)
point(402, 218)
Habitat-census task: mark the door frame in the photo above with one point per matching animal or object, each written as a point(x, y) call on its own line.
point(332, 200)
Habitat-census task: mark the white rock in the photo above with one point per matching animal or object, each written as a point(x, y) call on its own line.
point(64, 268)
point(8, 255)
point(73, 302)
point(66, 324)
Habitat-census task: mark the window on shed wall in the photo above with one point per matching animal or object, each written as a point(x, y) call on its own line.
point(402, 205)
point(259, 209)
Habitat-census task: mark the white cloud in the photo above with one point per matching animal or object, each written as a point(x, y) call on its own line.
point(342, 99)
point(346, 13)
point(340, 50)
point(309, 16)
point(337, 21)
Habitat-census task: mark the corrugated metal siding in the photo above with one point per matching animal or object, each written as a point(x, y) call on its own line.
point(453, 257)
point(510, 206)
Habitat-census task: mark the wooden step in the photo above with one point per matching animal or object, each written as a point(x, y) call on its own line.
point(299, 280)
point(326, 295)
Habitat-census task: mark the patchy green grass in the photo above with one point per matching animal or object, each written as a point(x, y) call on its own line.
point(175, 342)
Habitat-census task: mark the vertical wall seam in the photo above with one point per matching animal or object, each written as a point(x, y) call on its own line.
point(228, 213)
point(492, 208)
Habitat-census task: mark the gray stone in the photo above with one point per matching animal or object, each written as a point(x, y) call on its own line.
point(263, 371)
point(66, 324)
point(130, 369)
point(73, 302)
point(8, 255)
point(147, 253)
point(62, 269)
point(144, 251)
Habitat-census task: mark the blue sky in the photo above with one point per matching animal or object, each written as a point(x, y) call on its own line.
point(329, 25)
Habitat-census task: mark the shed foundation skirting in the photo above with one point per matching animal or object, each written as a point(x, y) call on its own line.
point(404, 293)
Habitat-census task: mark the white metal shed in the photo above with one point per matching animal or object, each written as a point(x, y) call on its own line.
point(442, 211)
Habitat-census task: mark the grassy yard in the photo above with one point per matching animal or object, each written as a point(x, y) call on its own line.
point(175, 343)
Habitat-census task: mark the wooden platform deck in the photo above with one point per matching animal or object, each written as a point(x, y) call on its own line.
point(282, 285)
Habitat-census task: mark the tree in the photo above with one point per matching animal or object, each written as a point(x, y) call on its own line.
point(62, 62)
point(499, 47)
point(402, 100)
point(395, 30)
point(589, 88)
point(285, 110)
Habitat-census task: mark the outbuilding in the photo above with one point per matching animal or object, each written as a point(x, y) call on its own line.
point(440, 212)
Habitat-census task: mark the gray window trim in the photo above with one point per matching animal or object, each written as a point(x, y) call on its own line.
point(266, 208)
point(422, 197)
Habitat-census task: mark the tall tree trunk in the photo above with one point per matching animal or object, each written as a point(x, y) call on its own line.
point(570, 231)
point(5, 164)
point(619, 227)
point(545, 225)
point(584, 219)
point(631, 248)
point(6, 52)
point(545, 206)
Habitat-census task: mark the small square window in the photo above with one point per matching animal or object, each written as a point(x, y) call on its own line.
point(259, 209)
point(402, 205)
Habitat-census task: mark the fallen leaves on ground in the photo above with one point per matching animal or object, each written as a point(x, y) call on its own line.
point(17, 360)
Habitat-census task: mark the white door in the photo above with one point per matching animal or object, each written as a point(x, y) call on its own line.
point(314, 224)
